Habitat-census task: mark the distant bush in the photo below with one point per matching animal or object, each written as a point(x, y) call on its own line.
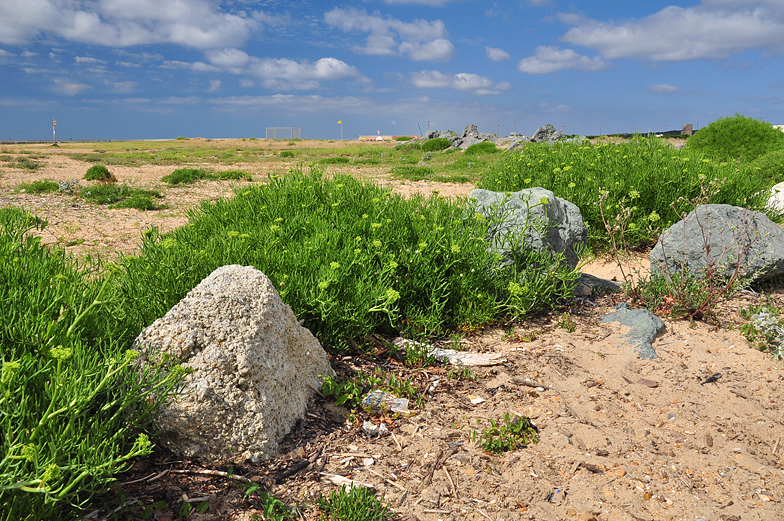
point(185, 176)
point(114, 194)
point(38, 187)
point(182, 138)
point(413, 173)
point(140, 200)
point(403, 138)
point(232, 174)
point(437, 144)
point(338, 160)
point(485, 147)
point(737, 138)
point(287, 153)
point(99, 173)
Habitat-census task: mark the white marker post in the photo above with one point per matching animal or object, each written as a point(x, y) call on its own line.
point(54, 134)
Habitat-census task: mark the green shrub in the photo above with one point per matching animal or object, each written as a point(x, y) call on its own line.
point(185, 176)
point(350, 258)
point(645, 173)
point(403, 138)
point(337, 160)
point(769, 168)
point(436, 145)
point(27, 164)
point(73, 403)
point(287, 153)
point(181, 138)
point(483, 148)
point(736, 138)
point(38, 187)
point(99, 173)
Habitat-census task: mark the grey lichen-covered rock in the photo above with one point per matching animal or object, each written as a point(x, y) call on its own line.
point(547, 134)
point(564, 232)
point(252, 365)
point(731, 231)
point(470, 130)
point(644, 327)
point(591, 286)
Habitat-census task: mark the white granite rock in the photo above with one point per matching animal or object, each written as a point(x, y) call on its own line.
point(252, 364)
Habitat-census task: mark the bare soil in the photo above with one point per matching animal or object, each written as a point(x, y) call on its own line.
point(620, 438)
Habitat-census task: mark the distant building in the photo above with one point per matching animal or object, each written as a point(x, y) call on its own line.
point(687, 129)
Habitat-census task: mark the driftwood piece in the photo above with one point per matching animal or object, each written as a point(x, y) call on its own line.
point(453, 357)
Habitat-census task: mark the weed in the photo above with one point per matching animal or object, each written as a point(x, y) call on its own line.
point(483, 148)
point(139, 199)
point(353, 504)
point(181, 138)
point(350, 391)
point(736, 138)
point(764, 330)
point(413, 173)
point(461, 373)
point(38, 187)
point(511, 433)
point(567, 323)
point(99, 173)
point(436, 145)
point(291, 143)
point(769, 168)
point(287, 153)
point(403, 138)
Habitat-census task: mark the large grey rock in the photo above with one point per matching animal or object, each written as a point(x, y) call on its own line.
point(252, 365)
point(431, 134)
point(643, 326)
point(470, 130)
point(732, 233)
point(546, 134)
point(446, 134)
point(565, 229)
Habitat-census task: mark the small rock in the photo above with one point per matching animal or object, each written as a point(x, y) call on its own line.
point(620, 472)
point(587, 515)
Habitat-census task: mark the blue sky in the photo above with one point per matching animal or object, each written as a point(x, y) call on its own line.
point(132, 69)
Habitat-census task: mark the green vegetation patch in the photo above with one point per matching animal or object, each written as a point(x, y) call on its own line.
point(483, 148)
point(191, 175)
point(350, 258)
point(645, 175)
point(287, 153)
point(38, 187)
point(510, 434)
point(736, 138)
point(74, 405)
point(353, 504)
point(99, 173)
point(336, 160)
point(436, 145)
point(769, 168)
point(122, 196)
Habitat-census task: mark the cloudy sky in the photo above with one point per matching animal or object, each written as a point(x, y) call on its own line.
point(130, 69)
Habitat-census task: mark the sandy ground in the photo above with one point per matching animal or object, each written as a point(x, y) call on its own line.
point(620, 438)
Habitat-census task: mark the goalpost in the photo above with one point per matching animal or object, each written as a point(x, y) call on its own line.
point(284, 133)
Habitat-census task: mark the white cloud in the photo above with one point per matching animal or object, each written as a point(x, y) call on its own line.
point(280, 73)
point(419, 2)
point(420, 40)
point(28, 54)
point(128, 64)
point(214, 85)
point(69, 88)
point(124, 86)
point(551, 59)
point(663, 88)
point(119, 23)
point(712, 30)
point(88, 59)
point(247, 84)
point(5, 53)
point(497, 55)
point(463, 81)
